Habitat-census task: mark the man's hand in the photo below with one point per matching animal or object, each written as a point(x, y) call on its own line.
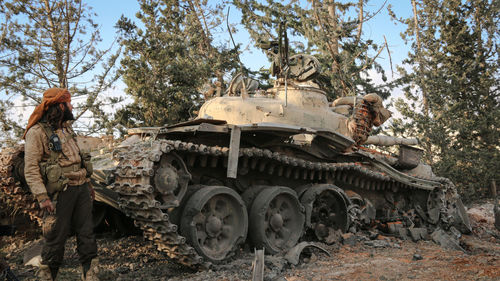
point(46, 205)
point(92, 192)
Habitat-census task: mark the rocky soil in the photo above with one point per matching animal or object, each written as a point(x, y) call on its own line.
point(367, 256)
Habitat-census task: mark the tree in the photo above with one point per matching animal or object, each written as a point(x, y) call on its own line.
point(451, 86)
point(334, 38)
point(51, 43)
point(169, 61)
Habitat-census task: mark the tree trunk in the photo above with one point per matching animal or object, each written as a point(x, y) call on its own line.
point(425, 102)
point(419, 55)
point(493, 189)
point(334, 40)
point(360, 19)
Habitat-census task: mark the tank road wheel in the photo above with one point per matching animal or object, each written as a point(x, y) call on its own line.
point(276, 219)
point(215, 221)
point(326, 208)
point(171, 179)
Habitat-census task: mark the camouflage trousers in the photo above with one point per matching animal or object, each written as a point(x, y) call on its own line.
point(73, 215)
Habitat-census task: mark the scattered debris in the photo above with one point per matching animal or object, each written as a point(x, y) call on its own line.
point(363, 258)
point(349, 239)
point(293, 255)
point(482, 217)
point(333, 236)
point(6, 273)
point(449, 242)
point(378, 243)
point(418, 234)
point(33, 255)
point(417, 257)
point(373, 235)
point(7, 230)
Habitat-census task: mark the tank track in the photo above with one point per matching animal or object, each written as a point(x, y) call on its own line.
point(14, 196)
point(135, 171)
point(133, 182)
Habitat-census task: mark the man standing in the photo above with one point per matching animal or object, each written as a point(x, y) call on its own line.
point(57, 175)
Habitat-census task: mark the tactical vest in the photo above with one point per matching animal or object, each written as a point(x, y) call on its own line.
point(52, 173)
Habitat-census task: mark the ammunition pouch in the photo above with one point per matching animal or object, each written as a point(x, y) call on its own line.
point(86, 163)
point(53, 177)
point(53, 174)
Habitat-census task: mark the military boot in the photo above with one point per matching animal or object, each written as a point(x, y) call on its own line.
point(90, 270)
point(45, 273)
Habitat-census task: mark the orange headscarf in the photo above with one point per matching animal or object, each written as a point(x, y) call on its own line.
point(50, 97)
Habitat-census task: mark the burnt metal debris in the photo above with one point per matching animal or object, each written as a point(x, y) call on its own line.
point(6, 273)
point(293, 255)
point(269, 169)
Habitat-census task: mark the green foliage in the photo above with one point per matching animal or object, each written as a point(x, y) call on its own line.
point(48, 44)
point(456, 68)
point(169, 61)
point(330, 34)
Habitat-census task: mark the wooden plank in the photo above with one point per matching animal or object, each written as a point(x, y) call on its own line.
point(258, 266)
point(234, 151)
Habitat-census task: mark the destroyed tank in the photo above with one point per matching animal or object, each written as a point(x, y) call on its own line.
point(268, 168)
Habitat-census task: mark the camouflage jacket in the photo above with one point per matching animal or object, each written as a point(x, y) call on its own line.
point(37, 150)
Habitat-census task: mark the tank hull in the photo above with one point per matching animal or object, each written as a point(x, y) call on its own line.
point(335, 190)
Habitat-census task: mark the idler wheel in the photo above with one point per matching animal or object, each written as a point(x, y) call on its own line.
point(215, 222)
point(326, 208)
point(276, 219)
point(171, 179)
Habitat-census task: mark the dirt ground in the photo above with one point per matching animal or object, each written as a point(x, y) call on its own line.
point(356, 258)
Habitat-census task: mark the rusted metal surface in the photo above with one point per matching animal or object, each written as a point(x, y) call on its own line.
point(135, 184)
point(276, 219)
point(293, 255)
point(215, 222)
point(14, 195)
point(326, 209)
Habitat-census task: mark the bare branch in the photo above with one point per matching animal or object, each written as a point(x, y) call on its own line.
point(378, 11)
point(419, 55)
point(389, 53)
point(369, 63)
point(320, 24)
